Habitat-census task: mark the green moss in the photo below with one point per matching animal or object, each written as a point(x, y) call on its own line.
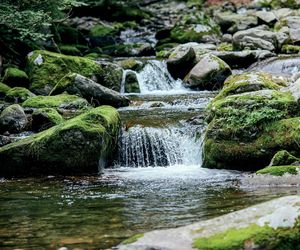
point(63, 101)
point(100, 30)
point(15, 77)
point(254, 235)
point(244, 153)
point(245, 82)
point(225, 47)
point(132, 239)
point(279, 170)
point(131, 64)
point(70, 50)
point(3, 89)
point(51, 114)
point(78, 145)
point(162, 54)
point(279, 4)
point(283, 157)
point(18, 95)
point(47, 68)
point(290, 49)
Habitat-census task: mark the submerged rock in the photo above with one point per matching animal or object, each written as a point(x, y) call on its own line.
point(13, 119)
point(95, 93)
point(270, 225)
point(77, 146)
point(209, 73)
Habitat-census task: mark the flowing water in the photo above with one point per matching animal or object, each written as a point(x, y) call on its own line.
point(156, 180)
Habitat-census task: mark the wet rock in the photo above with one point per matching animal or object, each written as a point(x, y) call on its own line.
point(131, 83)
point(243, 59)
point(80, 145)
point(273, 223)
point(282, 65)
point(14, 77)
point(131, 64)
point(209, 73)
point(95, 93)
point(13, 119)
point(45, 118)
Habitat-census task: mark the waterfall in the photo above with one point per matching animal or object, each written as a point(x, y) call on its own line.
point(155, 78)
point(148, 146)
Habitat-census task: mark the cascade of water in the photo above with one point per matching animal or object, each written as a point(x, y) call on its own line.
point(148, 146)
point(155, 78)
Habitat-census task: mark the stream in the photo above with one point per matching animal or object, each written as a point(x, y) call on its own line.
point(156, 180)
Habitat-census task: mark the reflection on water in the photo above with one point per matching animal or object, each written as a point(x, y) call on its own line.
point(99, 212)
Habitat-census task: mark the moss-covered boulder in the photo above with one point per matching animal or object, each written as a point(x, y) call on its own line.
point(95, 93)
point(209, 73)
point(283, 158)
point(279, 170)
point(127, 50)
point(77, 146)
point(131, 64)
point(13, 119)
point(290, 49)
point(18, 95)
point(271, 225)
point(62, 101)
point(15, 78)
point(69, 50)
point(45, 118)
point(249, 123)
point(3, 90)
point(131, 83)
point(46, 69)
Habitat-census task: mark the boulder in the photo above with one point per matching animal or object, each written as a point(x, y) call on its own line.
point(3, 90)
point(13, 119)
point(209, 73)
point(232, 22)
point(62, 101)
point(242, 59)
point(250, 120)
point(14, 77)
point(129, 50)
point(18, 95)
point(270, 225)
point(81, 145)
point(283, 158)
point(46, 69)
point(181, 61)
point(95, 93)
point(45, 118)
point(267, 17)
point(259, 37)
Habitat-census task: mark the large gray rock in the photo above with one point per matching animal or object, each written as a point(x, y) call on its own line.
point(209, 73)
point(242, 59)
point(183, 58)
point(13, 119)
point(233, 22)
point(95, 93)
point(295, 35)
point(266, 16)
point(270, 225)
point(259, 37)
